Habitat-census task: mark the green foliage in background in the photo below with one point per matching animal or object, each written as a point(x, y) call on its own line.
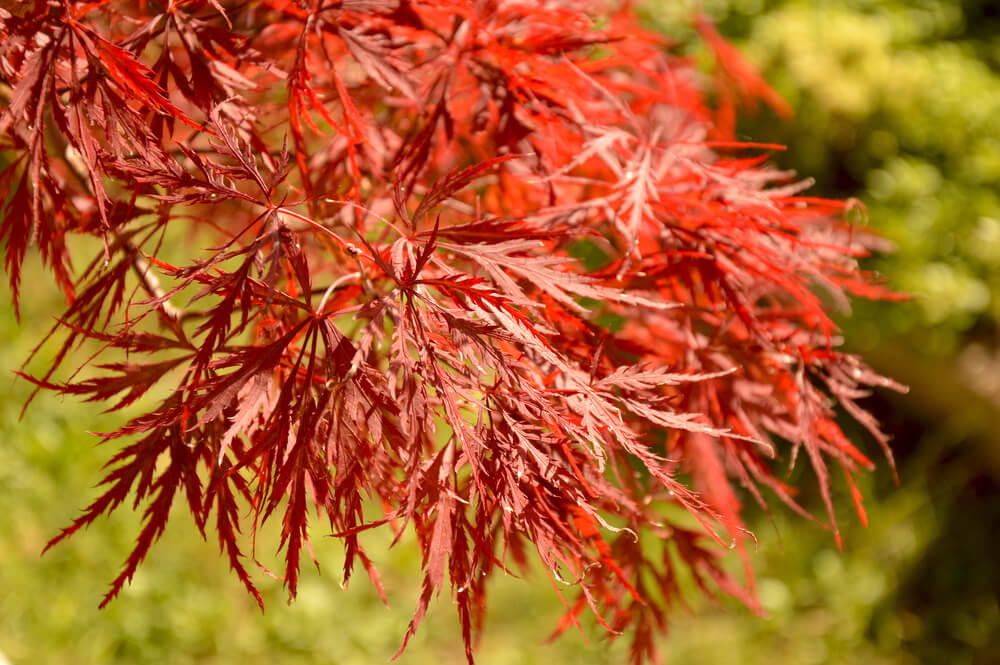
point(897, 103)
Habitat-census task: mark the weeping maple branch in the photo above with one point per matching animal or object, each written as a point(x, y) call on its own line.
point(561, 299)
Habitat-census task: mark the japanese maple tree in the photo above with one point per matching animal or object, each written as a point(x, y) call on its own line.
point(497, 273)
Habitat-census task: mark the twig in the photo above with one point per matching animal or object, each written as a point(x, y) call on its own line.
point(140, 264)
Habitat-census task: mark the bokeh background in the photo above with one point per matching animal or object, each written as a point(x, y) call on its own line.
point(898, 104)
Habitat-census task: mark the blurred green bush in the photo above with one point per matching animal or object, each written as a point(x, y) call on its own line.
point(897, 103)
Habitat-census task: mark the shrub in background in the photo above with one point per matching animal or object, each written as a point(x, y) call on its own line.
point(896, 104)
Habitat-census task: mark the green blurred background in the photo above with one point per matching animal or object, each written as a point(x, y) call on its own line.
point(898, 104)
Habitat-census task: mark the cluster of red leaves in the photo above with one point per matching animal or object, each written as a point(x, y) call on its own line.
point(495, 269)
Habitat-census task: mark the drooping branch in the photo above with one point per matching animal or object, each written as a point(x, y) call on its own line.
point(498, 269)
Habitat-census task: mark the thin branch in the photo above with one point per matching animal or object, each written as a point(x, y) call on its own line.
point(140, 264)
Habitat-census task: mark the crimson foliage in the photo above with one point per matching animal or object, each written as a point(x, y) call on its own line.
point(495, 271)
